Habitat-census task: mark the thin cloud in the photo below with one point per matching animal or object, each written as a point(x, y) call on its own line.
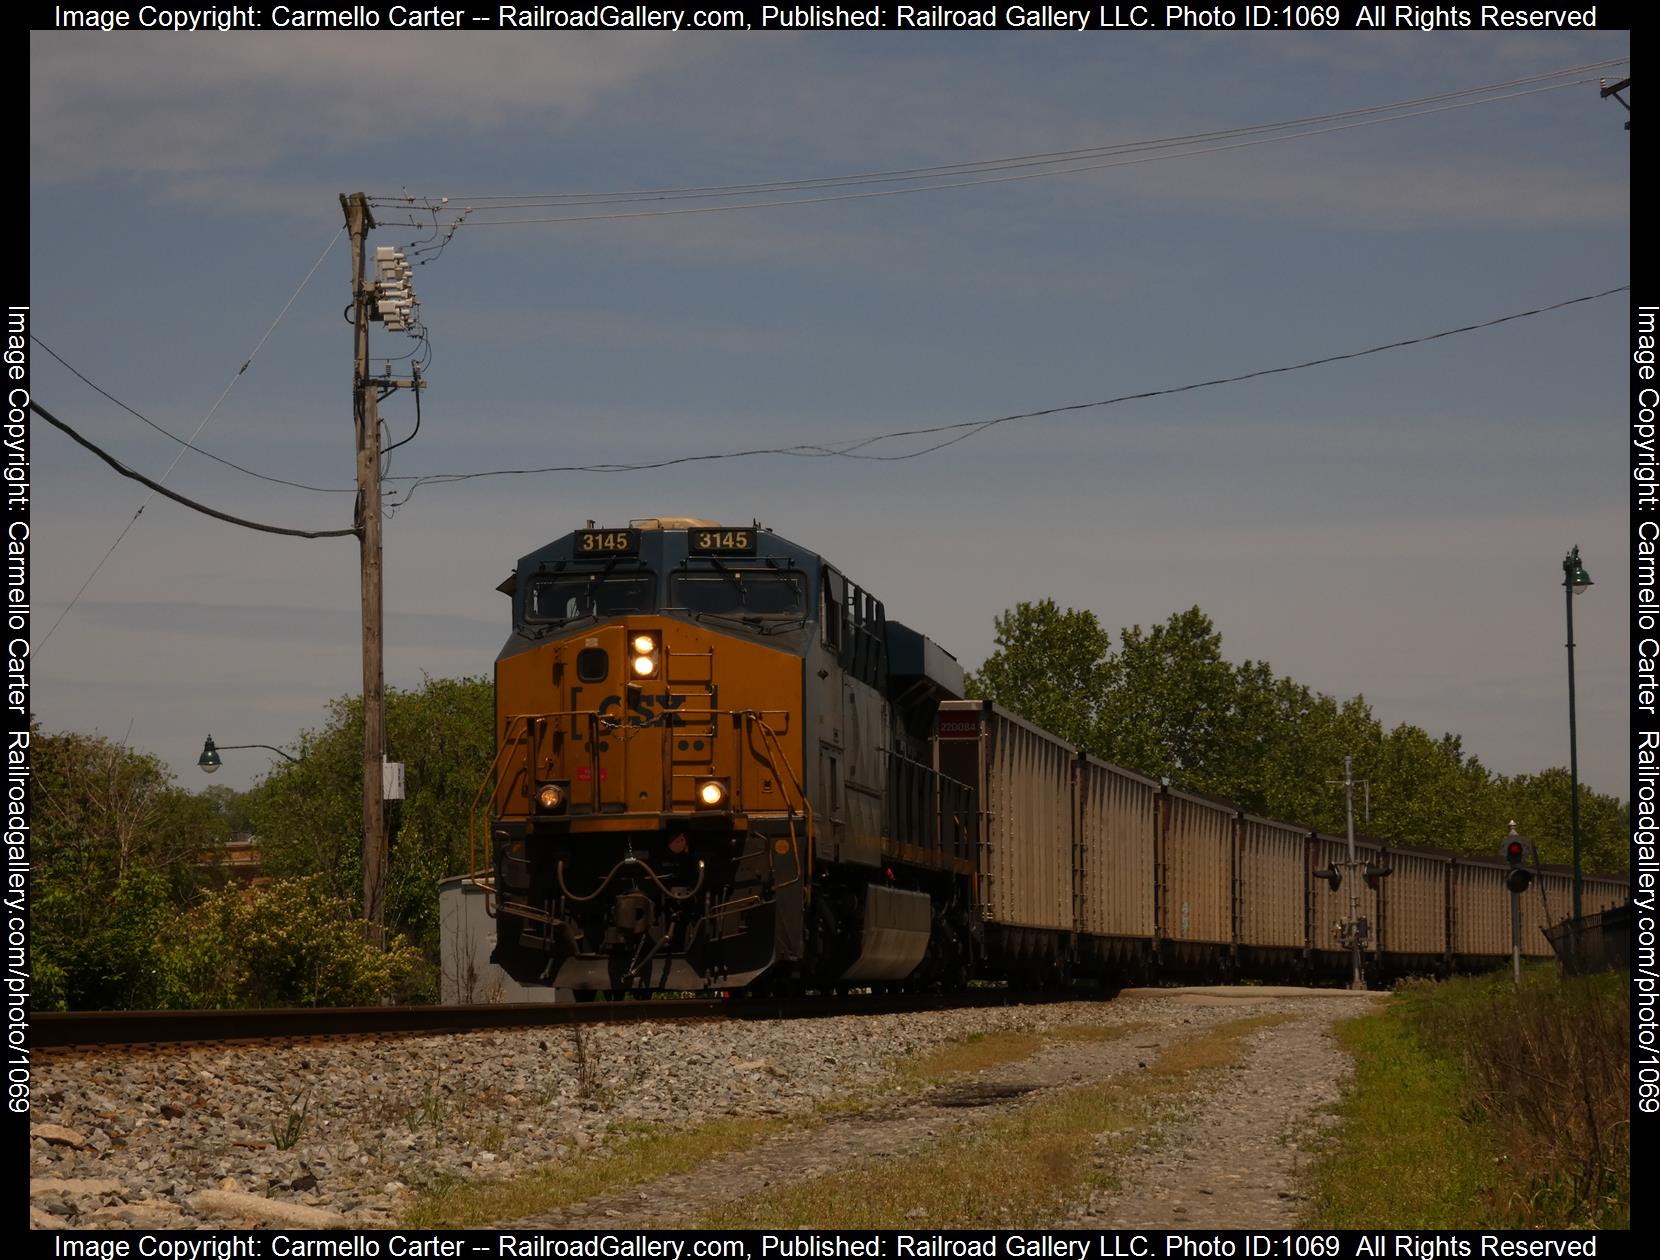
point(154, 106)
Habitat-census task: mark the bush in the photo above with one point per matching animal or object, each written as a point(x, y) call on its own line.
point(1548, 1064)
point(97, 950)
point(1480, 1104)
point(290, 944)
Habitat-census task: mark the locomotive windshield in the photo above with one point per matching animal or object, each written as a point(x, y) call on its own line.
point(596, 594)
point(734, 592)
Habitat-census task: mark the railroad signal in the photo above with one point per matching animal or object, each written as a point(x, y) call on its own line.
point(1332, 876)
point(1374, 872)
point(1515, 851)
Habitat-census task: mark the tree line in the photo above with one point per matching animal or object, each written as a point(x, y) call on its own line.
point(1167, 703)
point(135, 907)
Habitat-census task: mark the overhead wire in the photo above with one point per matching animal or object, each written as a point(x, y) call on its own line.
point(521, 200)
point(469, 216)
point(971, 428)
point(173, 437)
point(1071, 162)
point(156, 489)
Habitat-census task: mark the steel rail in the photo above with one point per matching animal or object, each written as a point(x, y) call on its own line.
point(59, 1029)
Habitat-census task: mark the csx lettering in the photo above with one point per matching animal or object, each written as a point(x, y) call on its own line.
point(645, 709)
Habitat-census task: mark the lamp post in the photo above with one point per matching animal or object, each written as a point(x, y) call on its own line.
point(1574, 582)
point(210, 759)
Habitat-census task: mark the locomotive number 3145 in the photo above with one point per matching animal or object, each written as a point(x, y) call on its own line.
point(723, 541)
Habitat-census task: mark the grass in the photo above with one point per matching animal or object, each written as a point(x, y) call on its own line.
point(1405, 1156)
point(1013, 1171)
point(979, 1052)
point(287, 1134)
point(1477, 1103)
point(648, 1153)
point(453, 1203)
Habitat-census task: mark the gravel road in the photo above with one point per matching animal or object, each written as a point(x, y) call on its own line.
point(323, 1134)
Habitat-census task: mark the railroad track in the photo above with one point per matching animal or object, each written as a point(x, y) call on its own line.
point(65, 1029)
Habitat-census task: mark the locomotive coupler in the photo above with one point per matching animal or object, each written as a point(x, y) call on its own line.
point(633, 913)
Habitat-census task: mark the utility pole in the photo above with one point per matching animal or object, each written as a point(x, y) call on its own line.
point(1575, 581)
point(1614, 89)
point(366, 417)
point(1357, 979)
point(1354, 932)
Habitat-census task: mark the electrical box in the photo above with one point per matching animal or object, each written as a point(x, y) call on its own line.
point(391, 780)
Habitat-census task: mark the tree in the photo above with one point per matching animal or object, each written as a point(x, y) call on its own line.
point(1425, 791)
point(1289, 741)
point(99, 808)
point(1542, 806)
point(308, 815)
point(1050, 667)
point(1169, 705)
point(116, 848)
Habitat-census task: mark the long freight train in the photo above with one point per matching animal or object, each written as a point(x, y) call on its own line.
point(719, 765)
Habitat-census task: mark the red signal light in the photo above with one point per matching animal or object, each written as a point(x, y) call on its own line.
point(1514, 851)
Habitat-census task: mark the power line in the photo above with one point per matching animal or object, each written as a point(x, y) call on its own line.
point(524, 200)
point(157, 488)
point(969, 428)
point(974, 427)
point(252, 355)
point(171, 436)
point(465, 216)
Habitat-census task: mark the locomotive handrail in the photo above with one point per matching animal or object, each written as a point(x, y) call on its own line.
point(518, 728)
point(522, 723)
point(473, 814)
point(801, 872)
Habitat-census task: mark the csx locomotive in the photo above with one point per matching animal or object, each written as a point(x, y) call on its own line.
point(720, 766)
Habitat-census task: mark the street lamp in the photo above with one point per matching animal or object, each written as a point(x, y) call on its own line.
point(210, 759)
point(1574, 582)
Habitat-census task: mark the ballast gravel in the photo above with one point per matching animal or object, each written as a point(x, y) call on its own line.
point(340, 1133)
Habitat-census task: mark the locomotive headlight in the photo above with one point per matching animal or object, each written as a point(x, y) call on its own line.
point(711, 794)
point(551, 798)
point(645, 655)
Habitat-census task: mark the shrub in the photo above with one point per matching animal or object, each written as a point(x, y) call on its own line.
point(291, 943)
point(1549, 1064)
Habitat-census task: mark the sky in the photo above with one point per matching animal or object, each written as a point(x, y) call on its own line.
point(1391, 526)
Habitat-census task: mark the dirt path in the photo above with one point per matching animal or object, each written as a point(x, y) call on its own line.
point(1220, 1158)
point(1230, 1156)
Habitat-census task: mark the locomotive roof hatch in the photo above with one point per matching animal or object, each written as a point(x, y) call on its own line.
point(672, 522)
